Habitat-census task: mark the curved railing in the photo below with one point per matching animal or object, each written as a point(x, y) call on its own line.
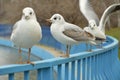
point(101, 64)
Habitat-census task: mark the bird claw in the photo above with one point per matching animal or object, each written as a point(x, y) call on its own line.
point(29, 62)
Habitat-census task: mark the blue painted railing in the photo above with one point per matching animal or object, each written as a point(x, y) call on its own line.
point(101, 64)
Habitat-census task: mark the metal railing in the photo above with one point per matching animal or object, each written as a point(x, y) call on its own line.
point(101, 64)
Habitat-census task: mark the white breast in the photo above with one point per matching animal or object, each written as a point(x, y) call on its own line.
point(26, 34)
point(57, 32)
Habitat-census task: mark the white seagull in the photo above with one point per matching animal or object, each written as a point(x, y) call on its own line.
point(93, 20)
point(68, 33)
point(96, 27)
point(26, 32)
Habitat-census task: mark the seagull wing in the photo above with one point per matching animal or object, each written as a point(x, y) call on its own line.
point(107, 12)
point(78, 35)
point(15, 27)
point(12, 37)
point(14, 30)
point(87, 11)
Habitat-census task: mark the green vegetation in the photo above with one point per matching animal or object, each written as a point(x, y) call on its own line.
point(115, 32)
point(119, 53)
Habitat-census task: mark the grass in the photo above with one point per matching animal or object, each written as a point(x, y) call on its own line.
point(115, 32)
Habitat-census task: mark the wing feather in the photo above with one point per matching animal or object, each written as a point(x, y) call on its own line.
point(78, 35)
point(87, 10)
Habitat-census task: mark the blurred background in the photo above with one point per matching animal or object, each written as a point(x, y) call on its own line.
point(11, 11)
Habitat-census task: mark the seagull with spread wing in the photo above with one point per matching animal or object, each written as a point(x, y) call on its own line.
point(96, 27)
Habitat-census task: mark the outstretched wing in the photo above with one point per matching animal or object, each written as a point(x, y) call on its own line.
point(87, 11)
point(107, 12)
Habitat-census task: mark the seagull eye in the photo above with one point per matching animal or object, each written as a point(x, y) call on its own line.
point(55, 18)
point(30, 13)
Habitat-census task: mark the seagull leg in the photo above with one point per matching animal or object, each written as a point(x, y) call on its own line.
point(28, 61)
point(90, 50)
point(20, 56)
point(86, 46)
point(68, 50)
point(100, 45)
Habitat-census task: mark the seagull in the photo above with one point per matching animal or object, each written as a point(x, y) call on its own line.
point(26, 32)
point(67, 33)
point(94, 30)
point(92, 18)
point(96, 27)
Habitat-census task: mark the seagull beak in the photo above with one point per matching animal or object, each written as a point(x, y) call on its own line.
point(48, 20)
point(27, 17)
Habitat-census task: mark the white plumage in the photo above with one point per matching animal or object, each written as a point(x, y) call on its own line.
point(67, 33)
point(27, 31)
point(96, 27)
point(92, 18)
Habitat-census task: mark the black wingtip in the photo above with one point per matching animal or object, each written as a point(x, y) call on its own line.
point(117, 8)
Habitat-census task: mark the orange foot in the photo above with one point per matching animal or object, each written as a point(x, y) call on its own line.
point(29, 62)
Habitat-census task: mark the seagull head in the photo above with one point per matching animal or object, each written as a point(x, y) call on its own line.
point(92, 24)
point(28, 13)
point(56, 18)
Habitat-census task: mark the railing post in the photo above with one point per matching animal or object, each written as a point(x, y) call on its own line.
point(26, 75)
point(39, 74)
point(11, 76)
point(78, 69)
point(47, 73)
point(83, 69)
point(66, 71)
point(93, 68)
point(73, 70)
point(59, 77)
point(86, 68)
